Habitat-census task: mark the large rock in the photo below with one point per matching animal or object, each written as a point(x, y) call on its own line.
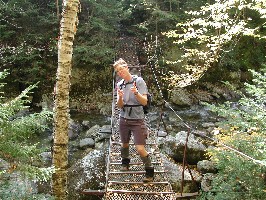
point(74, 130)
point(88, 173)
point(206, 166)
point(175, 176)
point(174, 147)
point(181, 97)
point(93, 131)
point(86, 143)
point(3, 165)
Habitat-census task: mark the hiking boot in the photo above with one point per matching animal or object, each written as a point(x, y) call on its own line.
point(125, 164)
point(124, 167)
point(149, 175)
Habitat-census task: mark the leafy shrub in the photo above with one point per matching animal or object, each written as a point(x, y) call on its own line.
point(244, 129)
point(18, 156)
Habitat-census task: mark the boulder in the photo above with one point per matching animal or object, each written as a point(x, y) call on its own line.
point(93, 131)
point(174, 172)
point(174, 147)
point(86, 143)
point(181, 97)
point(88, 173)
point(206, 166)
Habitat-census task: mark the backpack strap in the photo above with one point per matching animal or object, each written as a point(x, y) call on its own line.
point(131, 106)
point(125, 84)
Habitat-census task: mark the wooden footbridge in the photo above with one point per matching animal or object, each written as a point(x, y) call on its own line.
point(128, 185)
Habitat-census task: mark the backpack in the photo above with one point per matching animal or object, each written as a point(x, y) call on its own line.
point(149, 96)
point(148, 105)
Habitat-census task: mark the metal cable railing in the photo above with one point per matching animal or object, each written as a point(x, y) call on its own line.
point(153, 60)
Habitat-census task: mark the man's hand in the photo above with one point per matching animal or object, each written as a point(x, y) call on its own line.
point(120, 93)
point(134, 88)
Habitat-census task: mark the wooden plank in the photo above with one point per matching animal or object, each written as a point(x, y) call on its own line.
point(187, 195)
point(138, 192)
point(133, 172)
point(136, 154)
point(177, 195)
point(132, 143)
point(139, 183)
point(93, 192)
point(133, 163)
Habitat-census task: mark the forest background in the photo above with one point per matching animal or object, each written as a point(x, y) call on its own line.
point(194, 42)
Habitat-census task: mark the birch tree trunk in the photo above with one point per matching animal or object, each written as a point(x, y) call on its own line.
point(61, 109)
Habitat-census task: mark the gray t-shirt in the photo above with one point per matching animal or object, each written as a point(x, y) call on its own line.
point(130, 99)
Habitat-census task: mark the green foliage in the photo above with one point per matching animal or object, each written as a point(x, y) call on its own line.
point(213, 31)
point(16, 190)
point(244, 129)
point(96, 34)
point(29, 35)
point(90, 93)
point(250, 112)
point(25, 50)
point(3, 75)
point(149, 17)
point(89, 81)
point(248, 54)
point(17, 127)
point(237, 179)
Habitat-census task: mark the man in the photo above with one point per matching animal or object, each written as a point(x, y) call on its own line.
point(131, 96)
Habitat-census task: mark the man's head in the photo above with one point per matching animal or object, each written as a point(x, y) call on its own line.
point(120, 67)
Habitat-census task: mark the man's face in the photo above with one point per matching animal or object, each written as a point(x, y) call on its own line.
point(121, 71)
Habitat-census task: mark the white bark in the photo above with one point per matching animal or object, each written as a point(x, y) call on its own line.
point(61, 110)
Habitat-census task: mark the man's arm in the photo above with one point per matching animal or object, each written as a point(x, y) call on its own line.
point(142, 98)
point(120, 102)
